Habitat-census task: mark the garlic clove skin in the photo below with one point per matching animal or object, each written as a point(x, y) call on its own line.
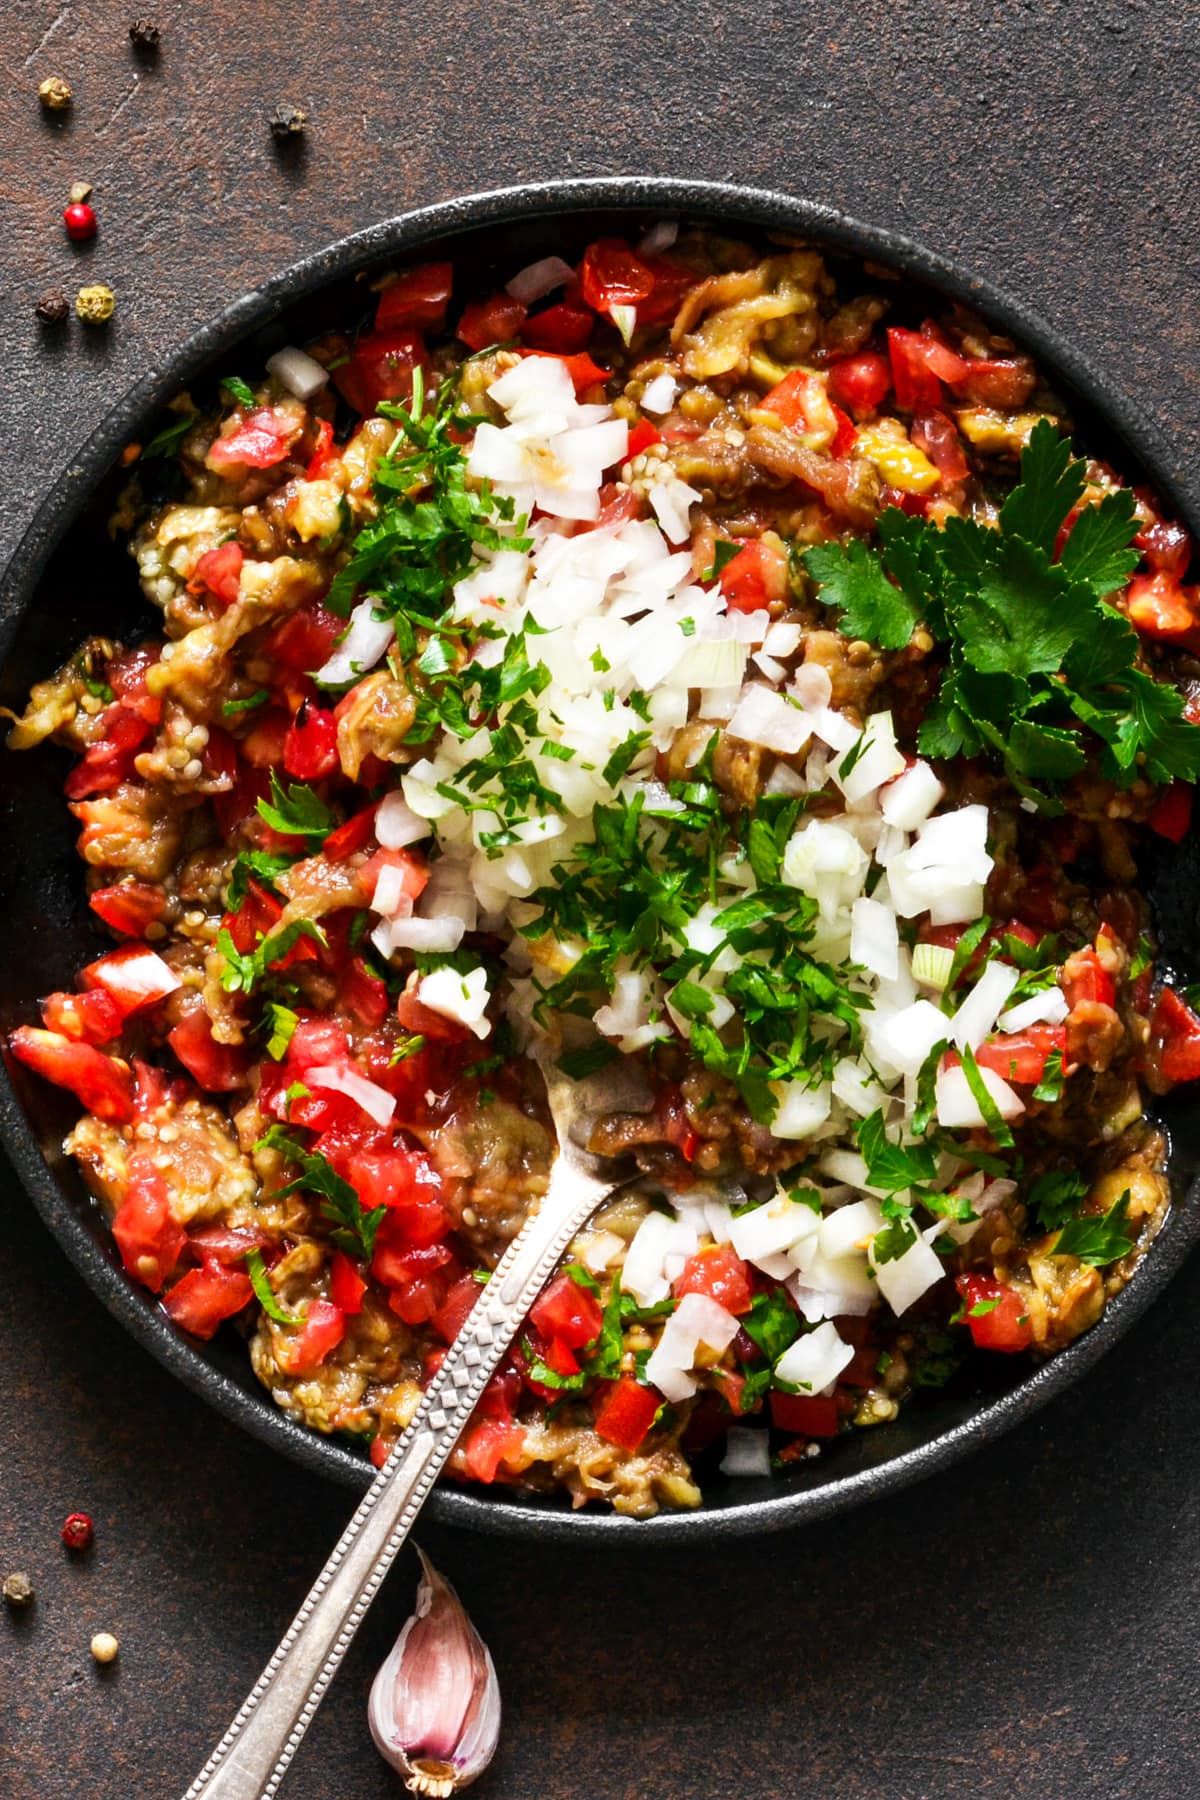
point(434, 1710)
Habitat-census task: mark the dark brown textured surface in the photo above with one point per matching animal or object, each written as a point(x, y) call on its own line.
point(1023, 1625)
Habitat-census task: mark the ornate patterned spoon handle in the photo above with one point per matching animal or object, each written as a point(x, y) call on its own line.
point(250, 1761)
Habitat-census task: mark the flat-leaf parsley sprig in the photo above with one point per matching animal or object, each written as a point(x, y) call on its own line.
point(1035, 648)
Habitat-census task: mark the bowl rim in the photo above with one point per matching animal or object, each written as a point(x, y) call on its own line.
point(408, 232)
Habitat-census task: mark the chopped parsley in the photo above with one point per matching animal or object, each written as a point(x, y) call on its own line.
point(266, 1295)
point(167, 441)
point(238, 390)
point(356, 1229)
point(1095, 1240)
point(245, 969)
point(296, 811)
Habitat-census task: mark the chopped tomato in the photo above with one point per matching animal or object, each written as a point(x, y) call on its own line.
point(491, 321)
point(937, 435)
point(219, 1068)
point(846, 435)
point(219, 572)
point(132, 976)
point(409, 864)
point(109, 760)
point(583, 371)
point(813, 1415)
point(363, 995)
point(324, 454)
point(226, 1245)
point(566, 1311)
point(147, 1235)
point(418, 297)
point(721, 1275)
point(489, 1444)
point(1175, 1027)
point(323, 1329)
point(1002, 1324)
point(380, 367)
point(1165, 545)
point(560, 1358)
point(310, 748)
point(1160, 607)
point(128, 906)
point(1021, 1056)
point(500, 1396)
point(1171, 815)
point(205, 1296)
point(626, 1413)
point(396, 1263)
point(801, 403)
point(641, 437)
point(860, 383)
point(102, 1083)
point(91, 1018)
point(456, 1308)
point(127, 678)
point(259, 441)
point(1084, 977)
point(404, 1181)
point(617, 504)
point(346, 1284)
point(754, 577)
point(611, 274)
point(1003, 381)
point(303, 641)
point(564, 328)
point(354, 833)
point(920, 363)
point(671, 282)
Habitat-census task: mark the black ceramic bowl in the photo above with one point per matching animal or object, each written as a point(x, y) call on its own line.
point(68, 578)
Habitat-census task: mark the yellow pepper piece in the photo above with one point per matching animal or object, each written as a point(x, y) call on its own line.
point(898, 460)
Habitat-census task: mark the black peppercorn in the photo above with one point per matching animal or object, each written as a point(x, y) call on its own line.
point(287, 122)
point(18, 1589)
point(53, 308)
point(144, 35)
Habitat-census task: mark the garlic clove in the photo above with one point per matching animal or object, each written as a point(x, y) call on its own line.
point(434, 1710)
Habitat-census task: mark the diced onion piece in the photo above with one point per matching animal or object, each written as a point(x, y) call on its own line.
point(957, 1107)
point(711, 663)
point(599, 1250)
point(833, 1287)
point(813, 687)
point(656, 1238)
point(802, 1109)
point(767, 718)
point(769, 1229)
point(301, 374)
point(1047, 1008)
point(462, 998)
point(826, 861)
point(361, 648)
point(417, 934)
point(696, 1320)
point(815, 1360)
point(747, 1453)
point(874, 938)
point(658, 396)
point(537, 279)
point(856, 1088)
point(391, 893)
point(850, 1228)
point(905, 1278)
point(878, 760)
point(658, 237)
point(625, 320)
point(908, 801)
point(905, 1038)
point(672, 502)
point(375, 1101)
point(932, 965)
point(396, 824)
point(976, 1017)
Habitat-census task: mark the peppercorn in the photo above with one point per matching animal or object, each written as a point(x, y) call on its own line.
point(287, 122)
point(52, 308)
point(144, 35)
point(54, 93)
point(80, 221)
point(18, 1590)
point(80, 190)
point(104, 1647)
point(95, 305)
point(77, 1532)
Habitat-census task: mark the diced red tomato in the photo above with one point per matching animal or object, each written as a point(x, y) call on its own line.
point(456, 1308)
point(346, 1284)
point(860, 383)
point(937, 435)
point(410, 864)
point(262, 743)
point(800, 402)
point(671, 282)
point(1171, 815)
point(1003, 381)
point(317, 1041)
point(380, 367)
point(641, 437)
point(310, 748)
point(363, 995)
point(404, 1181)
point(611, 274)
point(219, 572)
point(560, 1358)
point(422, 1021)
point(205, 1296)
point(617, 504)
point(489, 1444)
point(418, 297)
point(102, 1083)
point(1165, 544)
point(324, 455)
point(754, 577)
point(128, 906)
point(218, 1068)
point(812, 1415)
point(920, 363)
point(127, 678)
point(304, 640)
point(846, 435)
point(626, 1413)
point(91, 1018)
point(109, 760)
point(354, 833)
point(1021, 1056)
point(564, 328)
point(323, 1329)
point(146, 1234)
point(1004, 1325)
point(259, 441)
point(501, 1395)
point(226, 1245)
point(566, 1311)
point(1160, 607)
point(1084, 977)
point(492, 321)
point(132, 976)
point(396, 1262)
point(584, 372)
point(720, 1274)
point(731, 1384)
point(1175, 1027)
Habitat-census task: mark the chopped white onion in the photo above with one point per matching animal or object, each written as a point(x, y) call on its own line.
point(767, 718)
point(1047, 1008)
point(696, 1320)
point(776, 1226)
point(801, 1110)
point(815, 1360)
point(417, 934)
point(874, 938)
point(672, 501)
point(365, 642)
point(301, 374)
point(463, 998)
point(905, 1278)
point(747, 1453)
point(643, 1273)
point(375, 1101)
point(976, 1017)
point(658, 396)
point(905, 1038)
point(538, 279)
point(396, 824)
point(391, 893)
point(908, 801)
point(957, 1107)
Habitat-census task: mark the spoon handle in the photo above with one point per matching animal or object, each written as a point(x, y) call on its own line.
point(251, 1759)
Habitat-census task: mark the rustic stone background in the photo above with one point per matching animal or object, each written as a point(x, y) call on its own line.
point(1023, 1625)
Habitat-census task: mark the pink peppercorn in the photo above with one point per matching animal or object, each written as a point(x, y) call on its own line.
point(80, 221)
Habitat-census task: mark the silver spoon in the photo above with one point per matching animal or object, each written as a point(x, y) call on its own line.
point(251, 1759)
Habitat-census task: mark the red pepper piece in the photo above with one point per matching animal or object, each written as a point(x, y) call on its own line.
point(626, 1413)
point(1003, 1326)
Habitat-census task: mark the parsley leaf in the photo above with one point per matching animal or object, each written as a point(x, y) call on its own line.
point(983, 1099)
point(1096, 1241)
point(1051, 483)
point(1054, 1198)
point(771, 1324)
point(852, 577)
point(339, 1203)
point(239, 390)
point(295, 811)
point(167, 441)
point(1098, 550)
point(267, 1298)
point(244, 970)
